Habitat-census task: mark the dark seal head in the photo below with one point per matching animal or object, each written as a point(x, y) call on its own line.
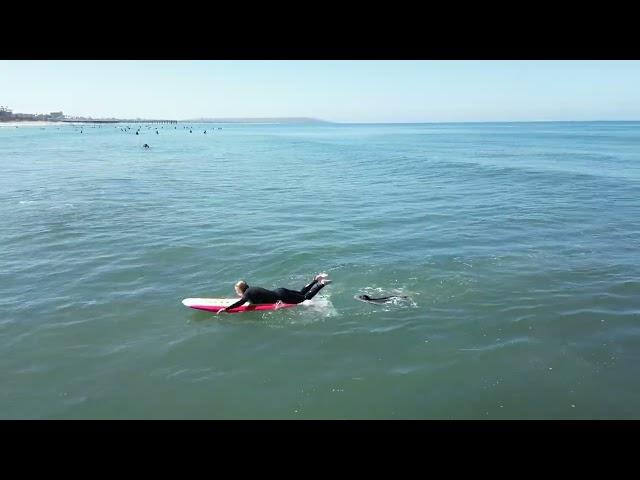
point(367, 298)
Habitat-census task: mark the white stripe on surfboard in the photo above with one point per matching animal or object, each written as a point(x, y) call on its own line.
point(209, 302)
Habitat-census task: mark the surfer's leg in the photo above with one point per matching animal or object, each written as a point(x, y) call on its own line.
point(314, 290)
point(316, 279)
point(308, 287)
point(289, 296)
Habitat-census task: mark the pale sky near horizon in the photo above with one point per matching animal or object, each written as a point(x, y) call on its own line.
point(340, 91)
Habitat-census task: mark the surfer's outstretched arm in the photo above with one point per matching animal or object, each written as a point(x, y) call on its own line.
point(242, 301)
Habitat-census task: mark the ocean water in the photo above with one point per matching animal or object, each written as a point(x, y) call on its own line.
point(518, 245)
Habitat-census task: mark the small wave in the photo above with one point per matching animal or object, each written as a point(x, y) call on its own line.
point(62, 206)
point(73, 401)
point(498, 345)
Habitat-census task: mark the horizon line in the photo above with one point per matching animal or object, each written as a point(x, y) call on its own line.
point(386, 122)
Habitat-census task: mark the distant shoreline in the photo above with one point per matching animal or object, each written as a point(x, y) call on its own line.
point(245, 120)
point(277, 121)
point(29, 123)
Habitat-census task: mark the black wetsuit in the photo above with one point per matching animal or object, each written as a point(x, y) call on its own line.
point(258, 295)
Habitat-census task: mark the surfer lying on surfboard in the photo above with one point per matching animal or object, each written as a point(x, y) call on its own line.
point(258, 295)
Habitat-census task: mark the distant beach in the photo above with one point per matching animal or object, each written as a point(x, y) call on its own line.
point(30, 124)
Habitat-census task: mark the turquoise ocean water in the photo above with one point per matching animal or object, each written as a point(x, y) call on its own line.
point(519, 245)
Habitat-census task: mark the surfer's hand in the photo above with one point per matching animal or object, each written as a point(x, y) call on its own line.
point(220, 311)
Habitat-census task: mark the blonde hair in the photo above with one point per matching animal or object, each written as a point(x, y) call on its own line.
point(242, 285)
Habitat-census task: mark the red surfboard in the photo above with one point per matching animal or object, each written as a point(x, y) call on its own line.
point(216, 304)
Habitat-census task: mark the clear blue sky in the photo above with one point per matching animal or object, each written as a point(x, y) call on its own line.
point(341, 91)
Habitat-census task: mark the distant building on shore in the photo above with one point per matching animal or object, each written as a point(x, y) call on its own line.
point(7, 115)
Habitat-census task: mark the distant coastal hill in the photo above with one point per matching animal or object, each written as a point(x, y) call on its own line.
point(258, 120)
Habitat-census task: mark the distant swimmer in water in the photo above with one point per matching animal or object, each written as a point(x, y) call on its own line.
point(157, 133)
point(367, 298)
point(146, 145)
point(257, 295)
point(205, 132)
point(137, 133)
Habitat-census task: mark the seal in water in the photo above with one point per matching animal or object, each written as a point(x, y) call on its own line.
point(367, 298)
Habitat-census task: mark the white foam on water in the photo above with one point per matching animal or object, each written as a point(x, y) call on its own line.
point(308, 312)
point(321, 305)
